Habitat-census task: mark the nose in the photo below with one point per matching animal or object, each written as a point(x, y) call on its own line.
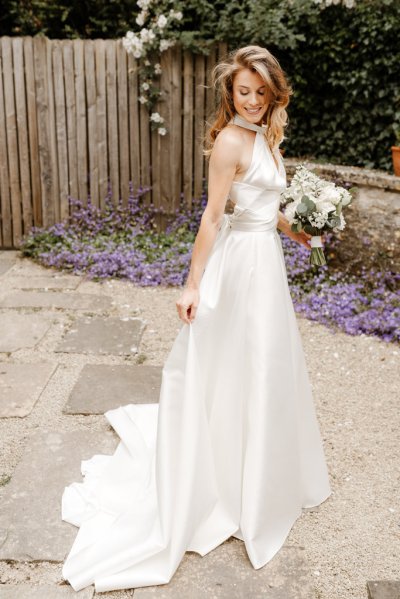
point(253, 101)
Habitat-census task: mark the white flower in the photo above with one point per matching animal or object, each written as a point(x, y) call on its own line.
point(165, 44)
point(318, 219)
point(346, 197)
point(342, 223)
point(142, 99)
point(145, 86)
point(140, 19)
point(175, 14)
point(290, 211)
point(156, 117)
point(133, 44)
point(157, 68)
point(147, 35)
point(162, 21)
point(329, 193)
point(162, 131)
point(143, 4)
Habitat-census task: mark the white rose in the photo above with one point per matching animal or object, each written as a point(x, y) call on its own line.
point(290, 211)
point(162, 131)
point(140, 19)
point(142, 99)
point(324, 205)
point(144, 34)
point(156, 117)
point(165, 44)
point(329, 193)
point(162, 21)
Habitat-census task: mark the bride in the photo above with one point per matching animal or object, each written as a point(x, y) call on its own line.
point(233, 448)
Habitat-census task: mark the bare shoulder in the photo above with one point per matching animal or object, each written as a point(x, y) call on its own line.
point(229, 143)
point(230, 137)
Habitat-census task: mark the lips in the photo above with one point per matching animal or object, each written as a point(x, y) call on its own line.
point(252, 110)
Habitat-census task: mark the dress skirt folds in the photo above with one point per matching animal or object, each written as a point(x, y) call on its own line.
point(233, 448)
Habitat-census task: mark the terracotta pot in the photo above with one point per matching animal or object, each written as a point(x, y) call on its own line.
point(396, 160)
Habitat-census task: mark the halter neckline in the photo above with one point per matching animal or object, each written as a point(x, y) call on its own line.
point(239, 120)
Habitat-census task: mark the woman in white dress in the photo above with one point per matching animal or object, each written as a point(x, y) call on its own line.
point(233, 448)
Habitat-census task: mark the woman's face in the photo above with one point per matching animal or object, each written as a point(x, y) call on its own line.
point(250, 95)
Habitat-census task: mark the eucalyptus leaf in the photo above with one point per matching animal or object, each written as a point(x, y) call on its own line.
point(301, 209)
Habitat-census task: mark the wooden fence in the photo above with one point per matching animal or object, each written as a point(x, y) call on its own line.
point(71, 124)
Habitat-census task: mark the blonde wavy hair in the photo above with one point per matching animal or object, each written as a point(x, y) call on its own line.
point(261, 61)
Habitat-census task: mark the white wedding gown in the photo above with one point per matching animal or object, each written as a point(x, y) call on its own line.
point(233, 448)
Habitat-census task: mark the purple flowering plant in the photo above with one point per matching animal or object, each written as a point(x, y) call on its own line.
point(124, 241)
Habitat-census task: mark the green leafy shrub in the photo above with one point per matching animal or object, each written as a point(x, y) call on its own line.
point(343, 64)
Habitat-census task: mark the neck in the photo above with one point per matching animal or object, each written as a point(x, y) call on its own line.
point(239, 120)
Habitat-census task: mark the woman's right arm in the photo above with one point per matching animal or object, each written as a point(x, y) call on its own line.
point(224, 160)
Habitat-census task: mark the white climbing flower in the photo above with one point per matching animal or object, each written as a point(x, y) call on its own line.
point(145, 86)
point(176, 14)
point(133, 44)
point(165, 44)
point(140, 19)
point(147, 35)
point(142, 99)
point(162, 131)
point(162, 21)
point(157, 68)
point(156, 117)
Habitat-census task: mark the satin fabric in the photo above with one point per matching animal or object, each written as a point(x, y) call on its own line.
point(233, 448)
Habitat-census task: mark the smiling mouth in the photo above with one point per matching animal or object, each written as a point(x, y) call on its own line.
point(253, 110)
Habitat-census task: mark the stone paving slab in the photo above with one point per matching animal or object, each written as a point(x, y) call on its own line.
point(5, 266)
point(9, 255)
point(19, 331)
point(21, 386)
point(54, 299)
point(102, 387)
point(383, 589)
point(41, 282)
point(31, 528)
point(226, 573)
point(26, 267)
point(114, 336)
point(44, 591)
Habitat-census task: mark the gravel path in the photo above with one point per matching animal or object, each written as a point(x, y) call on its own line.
point(354, 536)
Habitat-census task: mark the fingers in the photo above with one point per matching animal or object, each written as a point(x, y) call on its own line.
point(192, 313)
point(182, 312)
point(186, 312)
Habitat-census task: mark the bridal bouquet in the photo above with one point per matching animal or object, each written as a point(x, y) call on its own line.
point(314, 205)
